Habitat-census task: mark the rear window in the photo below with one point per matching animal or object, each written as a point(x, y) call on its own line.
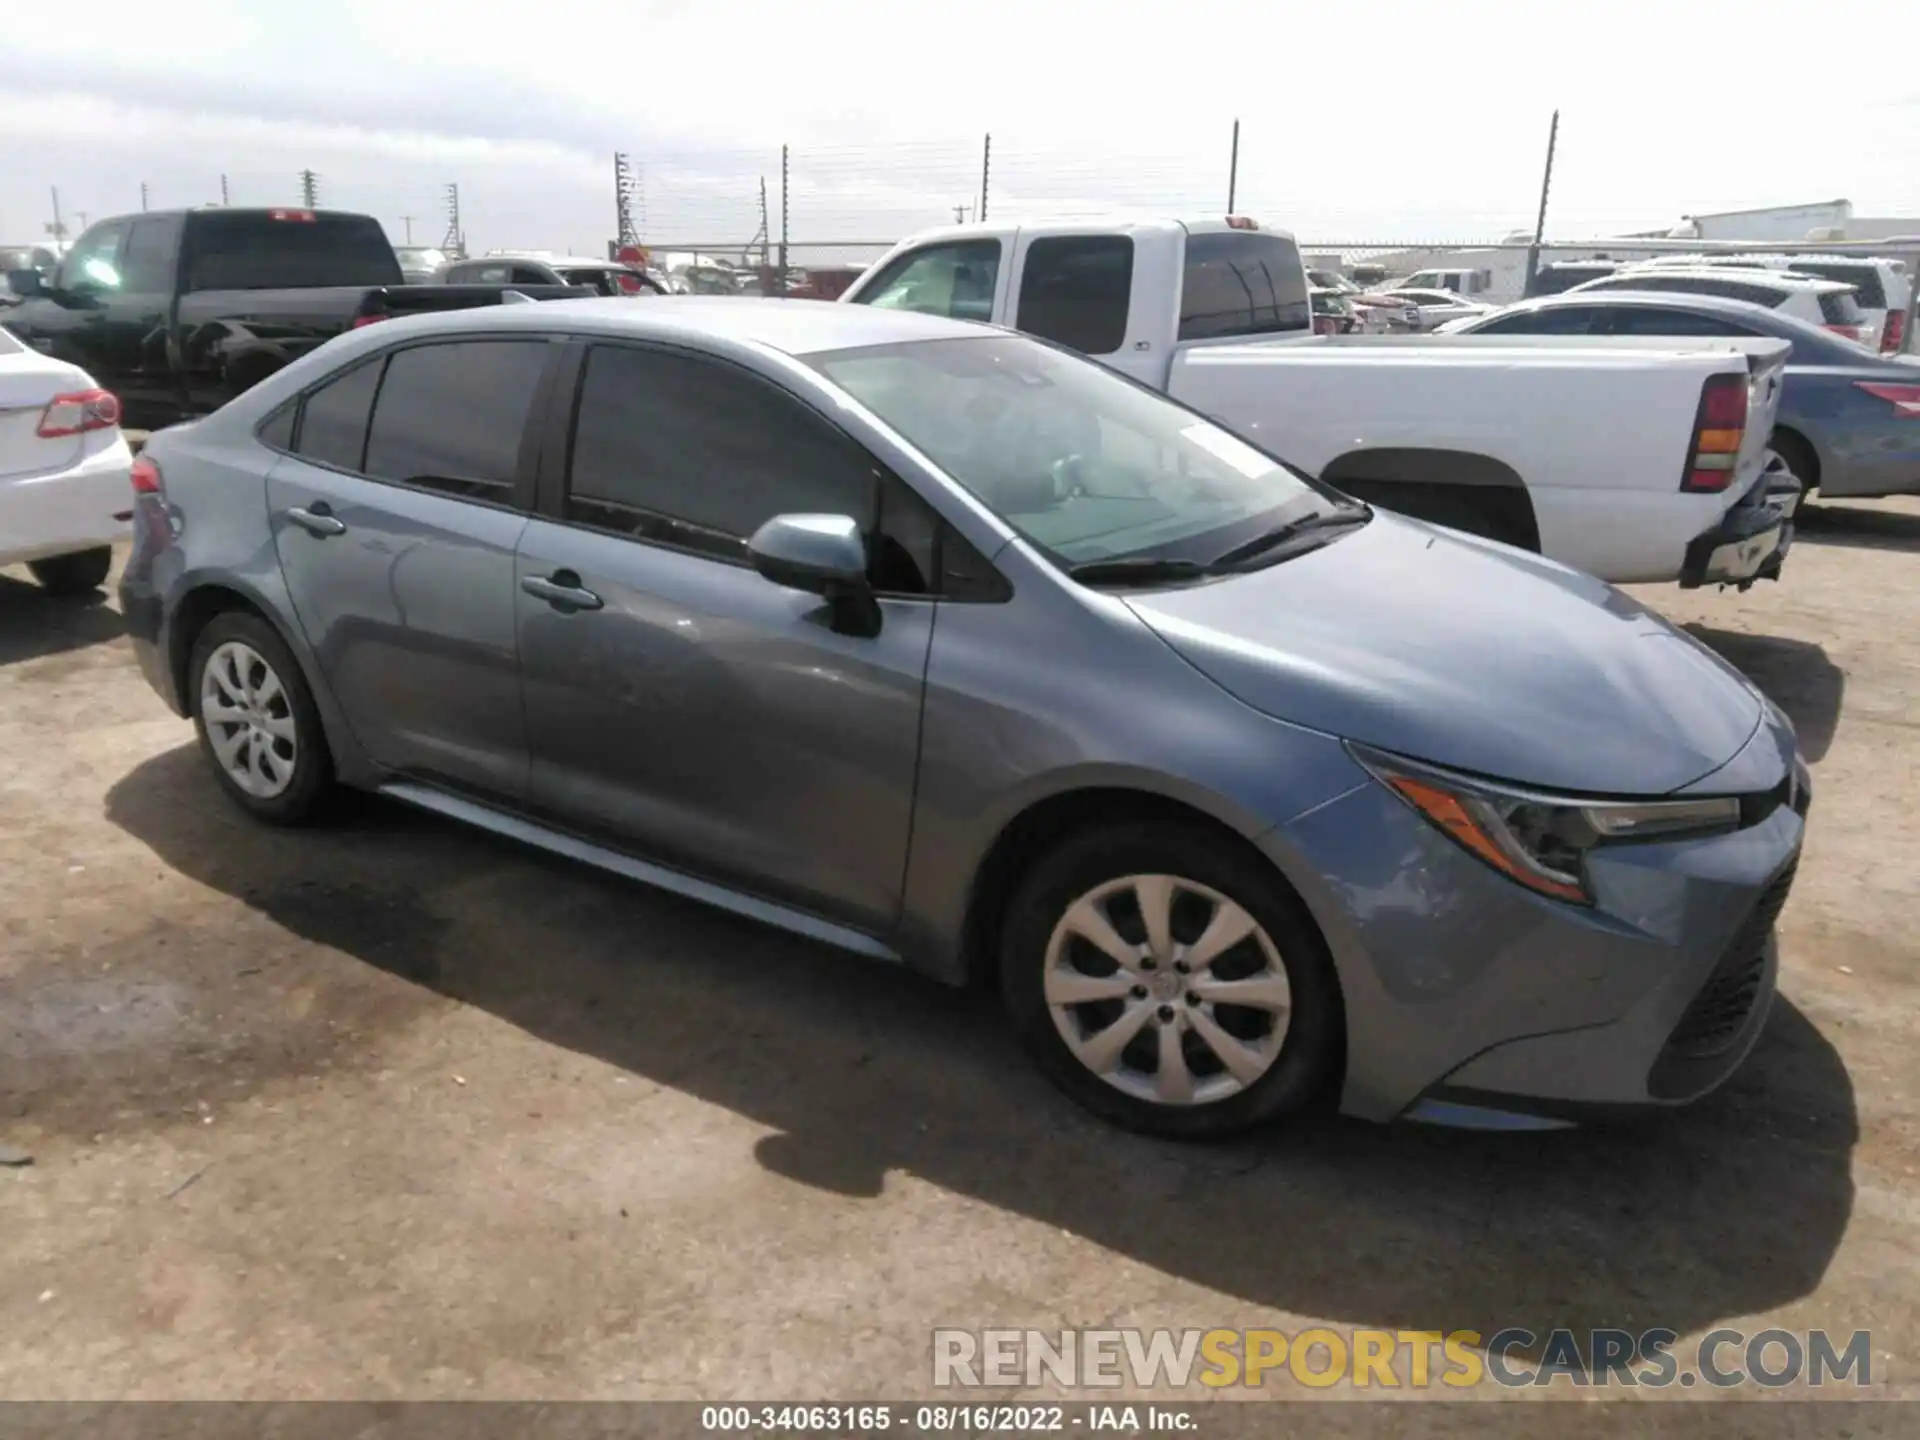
point(1240, 282)
point(1557, 279)
point(1838, 307)
point(1075, 291)
point(1865, 279)
point(254, 251)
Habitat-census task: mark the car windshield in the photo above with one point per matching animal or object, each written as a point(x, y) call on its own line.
point(1083, 463)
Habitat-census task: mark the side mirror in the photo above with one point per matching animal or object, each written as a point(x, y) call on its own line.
point(26, 283)
point(824, 555)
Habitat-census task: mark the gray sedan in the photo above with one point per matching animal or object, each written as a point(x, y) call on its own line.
point(1849, 420)
point(955, 650)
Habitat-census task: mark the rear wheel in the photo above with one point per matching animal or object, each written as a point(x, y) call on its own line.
point(256, 719)
point(1794, 453)
point(75, 574)
point(1169, 981)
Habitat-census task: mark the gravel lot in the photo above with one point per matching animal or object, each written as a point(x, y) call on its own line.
point(394, 1109)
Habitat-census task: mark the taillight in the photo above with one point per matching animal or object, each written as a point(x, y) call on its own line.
point(145, 476)
point(77, 412)
point(1892, 337)
point(1905, 399)
point(361, 321)
point(1718, 428)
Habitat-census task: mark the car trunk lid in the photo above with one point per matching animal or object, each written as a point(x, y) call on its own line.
point(28, 380)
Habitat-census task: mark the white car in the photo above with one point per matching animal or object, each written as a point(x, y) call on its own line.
point(1437, 307)
point(1882, 288)
point(65, 488)
point(1830, 304)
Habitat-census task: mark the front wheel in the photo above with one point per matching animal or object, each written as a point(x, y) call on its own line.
point(76, 574)
point(1169, 981)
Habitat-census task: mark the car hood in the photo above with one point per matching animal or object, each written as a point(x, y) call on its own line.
point(1450, 649)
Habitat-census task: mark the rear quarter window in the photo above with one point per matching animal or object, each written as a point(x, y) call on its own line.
point(1865, 279)
point(1240, 282)
point(1838, 307)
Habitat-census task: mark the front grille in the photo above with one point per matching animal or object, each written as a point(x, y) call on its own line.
point(1713, 1021)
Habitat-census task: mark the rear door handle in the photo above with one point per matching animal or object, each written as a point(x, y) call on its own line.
point(561, 589)
point(317, 520)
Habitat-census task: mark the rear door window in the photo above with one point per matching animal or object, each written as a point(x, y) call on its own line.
point(954, 280)
point(1660, 320)
point(1075, 291)
point(1241, 282)
point(147, 266)
point(286, 250)
point(450, 417)
point(1560, 320)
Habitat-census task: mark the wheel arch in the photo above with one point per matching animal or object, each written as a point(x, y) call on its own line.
point(1048, 820)
point(1796, 438)
point(1410, 479)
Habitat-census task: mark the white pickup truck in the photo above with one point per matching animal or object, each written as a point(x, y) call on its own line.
point(1634, 460)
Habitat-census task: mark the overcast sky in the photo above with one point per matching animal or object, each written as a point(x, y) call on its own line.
point(1385, 121)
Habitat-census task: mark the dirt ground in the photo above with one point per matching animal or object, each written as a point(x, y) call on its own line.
point(392, 1109)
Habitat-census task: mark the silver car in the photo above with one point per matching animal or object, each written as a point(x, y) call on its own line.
point(956, 650)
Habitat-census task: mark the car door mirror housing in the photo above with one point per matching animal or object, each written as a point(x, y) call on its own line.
point(824, 555)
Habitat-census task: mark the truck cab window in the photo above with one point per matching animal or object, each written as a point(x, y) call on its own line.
point(153, 246)
point(94, 261)
point(1074, 290)
point(952, 280)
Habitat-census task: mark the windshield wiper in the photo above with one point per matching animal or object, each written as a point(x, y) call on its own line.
point(1357, 513)
point(1137, 570)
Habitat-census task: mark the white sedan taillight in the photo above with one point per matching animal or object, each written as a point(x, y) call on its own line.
point(77, 412)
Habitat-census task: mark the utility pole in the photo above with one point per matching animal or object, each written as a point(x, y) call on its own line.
point(1233, 169)
point(624, 233)
point(986, 169)
point(223, 190)
point(455, 243)
point(766, 230)
point(783, 220)
point(83, 218)
point(309, 189)
point(962, 213)
point(1540, 224)
point(143, 195)
point(407, 220)
point(58, 228)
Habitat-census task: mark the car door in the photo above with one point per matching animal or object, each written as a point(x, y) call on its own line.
point(71, 323)
point(133, 335)
point(395, 515)
point(680, 705)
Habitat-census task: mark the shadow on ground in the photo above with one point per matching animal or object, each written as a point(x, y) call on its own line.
point(1825, 523)
point(1795, 674)
point(34, 624)
point(1732, 1207)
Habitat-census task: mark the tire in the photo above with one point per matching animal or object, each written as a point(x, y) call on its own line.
point(1296, 1034)
point(80, 573)
point(275, 737)
point(1798, 459)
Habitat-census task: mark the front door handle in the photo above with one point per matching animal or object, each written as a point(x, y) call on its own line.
point(317, 520)
point(561, 589)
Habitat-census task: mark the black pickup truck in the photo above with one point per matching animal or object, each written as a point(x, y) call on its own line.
point(178, 311)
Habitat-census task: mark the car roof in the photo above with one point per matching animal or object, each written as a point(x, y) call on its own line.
point(793, 327)
point(1770, 279)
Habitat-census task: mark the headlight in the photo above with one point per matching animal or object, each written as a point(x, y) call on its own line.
point(1540, 840)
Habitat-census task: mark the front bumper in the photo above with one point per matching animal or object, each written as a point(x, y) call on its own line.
point(1471, 1000)
point(64, 511)
point(1751, 540)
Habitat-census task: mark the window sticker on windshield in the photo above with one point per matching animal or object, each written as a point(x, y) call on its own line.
point(1237, 453)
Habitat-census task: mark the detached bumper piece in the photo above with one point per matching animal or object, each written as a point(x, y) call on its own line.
point(1751, 541)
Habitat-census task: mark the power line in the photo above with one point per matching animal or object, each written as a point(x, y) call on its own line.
point(407, 220)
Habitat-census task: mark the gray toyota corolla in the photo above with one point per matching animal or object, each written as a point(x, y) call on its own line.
point(950, 648)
